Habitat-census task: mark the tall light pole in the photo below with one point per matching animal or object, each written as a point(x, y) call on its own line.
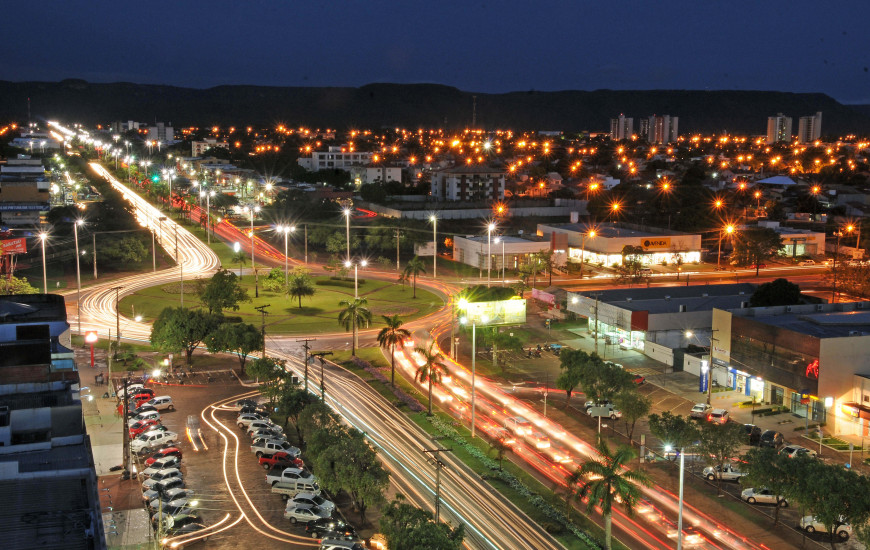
point(355, 265)
point(500, 239)
point(207, 196)
point(286, 229)
point(669, 448)
point(434, 219)
point(464, 320)
point(727, 229)
point(78, 274)
point(42, 237)
point(489, 230)
point(347, 217)
point(590, 233)
point(253, 260)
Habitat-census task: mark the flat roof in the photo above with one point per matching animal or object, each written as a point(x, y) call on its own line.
point(834, 324)
point(674, 292)
point(506, 239)
point(611, 230)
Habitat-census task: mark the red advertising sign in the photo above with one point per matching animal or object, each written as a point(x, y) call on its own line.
point(14, 246)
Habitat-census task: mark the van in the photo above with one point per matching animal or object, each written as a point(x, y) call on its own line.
point(332, 544)
point(289, 489)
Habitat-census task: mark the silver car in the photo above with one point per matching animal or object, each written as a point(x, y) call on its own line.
point(763, 496)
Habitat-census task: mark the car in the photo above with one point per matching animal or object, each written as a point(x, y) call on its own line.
point(726, 473)
point(592, 403)
point(143, 426)
point(266, 434)
point(339, 544)
point(539, 440)
point(806, 263)
point(166, 451)
point(763, 496)
point(144, 393)
point(162, 464)
point(280, 459)
point(242, 403)
point(173, 524)
point(141, 409)
point(701, 410)
point(133, 389)
point(793, 451)
point(304, 512)
point(161, 403)
point(313, 500)
point(283, 475)
point(160, 476)
point(152, 440)
point(262, 411)
point(753, 434)
point(811, 524)
point(144, 416)
point(771, 438)
point(271, 446)
point(718, 416)
point(608, 410)
point(518, 425)
point(172, 495)
point(758, 266)
point(245, 419)
point(638, 379)
point(166, 485)
point(167, 510)
point(319, 528)
point(264, 425)
point(505, 437)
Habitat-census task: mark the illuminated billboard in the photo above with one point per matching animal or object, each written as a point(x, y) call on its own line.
point(501, 312)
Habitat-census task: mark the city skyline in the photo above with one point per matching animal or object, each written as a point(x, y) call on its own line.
point(483, 48)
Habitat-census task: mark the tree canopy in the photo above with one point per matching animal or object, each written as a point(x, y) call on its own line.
point(755, 245)
point(776, 293)
point(222, 291)
point(239, 338)
point(181, 329)
point(407, 527)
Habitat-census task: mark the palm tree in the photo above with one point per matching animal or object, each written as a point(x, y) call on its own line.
point(354, 314)
point(240, 258)
point(432, 369)
point(300, 286)
point(611, 480)
point(389, 337)
point(499, 448)
point(414, 268)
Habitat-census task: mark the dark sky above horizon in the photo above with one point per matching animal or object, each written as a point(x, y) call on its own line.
point(490, 47)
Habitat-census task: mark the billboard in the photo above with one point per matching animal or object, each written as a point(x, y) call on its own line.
point(14, 246)
point(501, 312)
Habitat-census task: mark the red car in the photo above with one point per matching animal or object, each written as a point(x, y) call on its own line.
point(143, 426)
point(758, 266)
point(281, 459)
point(143, 393)
point(166, 451)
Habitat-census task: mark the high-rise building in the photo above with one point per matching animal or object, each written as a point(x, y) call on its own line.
point(662, 129)
point(810, 128)
point(621, 128)
point(161, 132)
point(778, 128)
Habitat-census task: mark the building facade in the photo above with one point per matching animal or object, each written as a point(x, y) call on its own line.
point(339, 157)
point(621, 128)
point(24, 191)
point(161, 132)
point(198, 148)
point(506, 252)
point(662, 129)
point(468, 183)
point(375, 173)
point(810, 128)
point(778, 128)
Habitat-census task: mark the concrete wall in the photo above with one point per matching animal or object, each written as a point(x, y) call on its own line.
point(839, 360)
point(474, 213)
point(658, 352)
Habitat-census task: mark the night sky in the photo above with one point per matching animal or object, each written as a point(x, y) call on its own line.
point(792, 46)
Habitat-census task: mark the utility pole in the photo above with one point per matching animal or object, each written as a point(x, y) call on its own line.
point(306, 243)
point(438, 466)
point(596, 325)
point(125, 433)
point(262, 310)
point(117, 316)
point(95, 256)
point(320, 356)
point(397, 251)
point(306, 347)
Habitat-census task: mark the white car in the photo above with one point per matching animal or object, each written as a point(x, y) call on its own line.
point(794, 451)
point(152, 440)
point(608, 409)
point(763, 496)
point(728, 473)
point(266, 434)
point(161, 403)
point(285, 475)
point(162, 464)
point(806, 263)
point(811, 524)
point(718, 416)
point(518, 425)
point(245, 419)
point(303, 513)
point(169, 496)
point(701, 410)
point(168, 473)
point(310, 499)
point(264, 425)
point(147, 415)
point(132, 388)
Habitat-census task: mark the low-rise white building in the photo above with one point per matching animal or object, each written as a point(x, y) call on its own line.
point(508, 252)
point(468, 183)
point(373, 173)
point(336, 157)
point(198, 148)
point(797, 242)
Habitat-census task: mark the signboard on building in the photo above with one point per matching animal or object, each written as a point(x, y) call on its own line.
point(14, 246)
point(501, 312)
point(655, 243)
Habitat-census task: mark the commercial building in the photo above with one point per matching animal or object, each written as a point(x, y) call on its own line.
point(47, 475)
point(778, 128)
point(621, 127)
point(810, 358)
point(161, 132)
point(662, 129)
point(797, 242)
point(198, 148)
point(508, 252)
point(24, 191)
point(655, 320)
point(810, 128)
point(603, 243)
point(468, 183)
point(340, 157)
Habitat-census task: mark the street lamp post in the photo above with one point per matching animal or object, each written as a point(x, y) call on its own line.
point(361, 263)
point(501, 240)
point(78, 274)
point(669, 448)
point(91, 338)
point(434, 219)
point(727, 229)
point(42, 237)
point(590, 233)
point(236, 248)
point(489, 230)
point(286, 229)
point(473, 366)
point(347, 217)
point(207, 196)
point(253, 260)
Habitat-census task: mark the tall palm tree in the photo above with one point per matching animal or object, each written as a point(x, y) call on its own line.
point(354, 314)
point(240, 258)
point(389, 337)
point(610, 480)
point(414, 268)
point(300, 286)
point(432, 369)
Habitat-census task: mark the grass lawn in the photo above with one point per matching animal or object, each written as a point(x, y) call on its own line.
point(318, 314)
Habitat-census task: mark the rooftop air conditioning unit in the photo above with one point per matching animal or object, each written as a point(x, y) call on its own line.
point(788, 309)
point(744, 305)
point(820, 307)
point(682, 308)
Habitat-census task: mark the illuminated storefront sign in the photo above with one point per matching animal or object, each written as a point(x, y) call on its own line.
point(813, 369)
point(502, 312)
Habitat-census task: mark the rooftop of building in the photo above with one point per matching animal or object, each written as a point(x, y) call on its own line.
point(31, 308)
point(470, 169)
point(786, 230)
point(676, 299)
point(615, 230)
point(484, 239)
point(818, 320)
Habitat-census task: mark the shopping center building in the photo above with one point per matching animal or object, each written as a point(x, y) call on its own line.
point(603, 243)
point(811, 358)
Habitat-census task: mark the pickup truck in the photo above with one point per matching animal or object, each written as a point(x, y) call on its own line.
point(726, 473)
point(271, 446)
point(286, 475)
point(281, 459)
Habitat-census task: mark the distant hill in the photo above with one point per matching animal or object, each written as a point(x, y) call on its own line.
point(418, 105)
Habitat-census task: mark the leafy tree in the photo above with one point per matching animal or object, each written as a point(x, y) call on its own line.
point(127, 250)
point(239, 338)
point(407, 527)
point(390, 336)
point(573, 362)
point(15, 285)
point(291, 402)
point(602, 380)
point(610, 480)
point(776, 293)
point(271, 374)
point(432, 368)
point(719, 443)
point(275, 280)
point(765, 468)
point(633, 406)
point(178, 329)
point(631, 270)
point(414, 268)
point(354, 314)
point(833, 495)
point(222, 291)
point(499, 448)
point(240, 258)
point(316, 422)
point(674, 430)
point(755, 245)
point(300, 285)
